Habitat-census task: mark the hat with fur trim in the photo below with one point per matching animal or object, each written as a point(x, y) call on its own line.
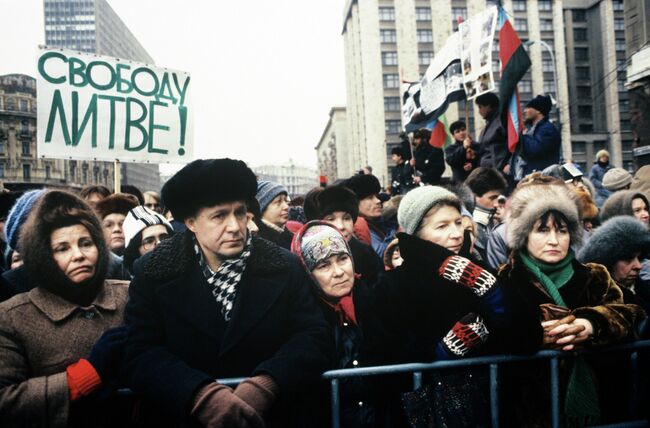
point(363, 185)
point(418, 202)
point(119, 203)
point(619, 238)
point(206, 183)
point(620, 203)
point(321, 202)
point(530, 202)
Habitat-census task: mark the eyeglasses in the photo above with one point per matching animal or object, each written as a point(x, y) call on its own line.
point(152, 206)
point(151, 241)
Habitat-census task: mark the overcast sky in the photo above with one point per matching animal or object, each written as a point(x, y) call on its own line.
point(265, 75)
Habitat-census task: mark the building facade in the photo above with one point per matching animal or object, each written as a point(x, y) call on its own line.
point(20, 166)
point(333, 146)
point(92, 26)
point(387, 41)
point(297, 179)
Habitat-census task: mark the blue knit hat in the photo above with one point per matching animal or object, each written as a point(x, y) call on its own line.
point(18, 214)
point(267, 191)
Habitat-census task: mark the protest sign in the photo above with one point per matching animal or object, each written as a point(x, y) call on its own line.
point(103, 108)
point(476, 40)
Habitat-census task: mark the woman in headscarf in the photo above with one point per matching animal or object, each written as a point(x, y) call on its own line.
point(572, 305)
point(59, 342)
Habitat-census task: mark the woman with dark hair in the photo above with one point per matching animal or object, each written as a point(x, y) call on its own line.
point(93, 194)
point(626, 202)
point(57, 341)
point(570, 305)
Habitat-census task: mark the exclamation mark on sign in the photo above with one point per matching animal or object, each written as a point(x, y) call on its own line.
point(182, 111)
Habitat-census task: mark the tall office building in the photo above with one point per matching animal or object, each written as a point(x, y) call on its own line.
point(92, 26)
point(389, 40)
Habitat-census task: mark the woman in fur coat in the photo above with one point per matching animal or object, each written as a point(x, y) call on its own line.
point(573, 305)
point(60, 346)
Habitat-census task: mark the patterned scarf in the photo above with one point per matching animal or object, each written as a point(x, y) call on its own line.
point(225, 280)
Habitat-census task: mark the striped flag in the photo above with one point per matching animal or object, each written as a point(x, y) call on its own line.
point(440, 138)
point(514, 64)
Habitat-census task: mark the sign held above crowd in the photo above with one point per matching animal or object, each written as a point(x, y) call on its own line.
point(102, 108)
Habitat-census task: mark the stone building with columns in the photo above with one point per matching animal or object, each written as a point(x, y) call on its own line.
point(332, 148)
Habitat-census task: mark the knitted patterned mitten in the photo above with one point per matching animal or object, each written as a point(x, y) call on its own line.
point(461, 270)
point(466, 335)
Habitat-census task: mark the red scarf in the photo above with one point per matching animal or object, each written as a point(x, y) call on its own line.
point(344, 308)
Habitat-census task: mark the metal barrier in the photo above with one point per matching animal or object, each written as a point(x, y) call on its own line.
point(333, 376)
point(493, 361)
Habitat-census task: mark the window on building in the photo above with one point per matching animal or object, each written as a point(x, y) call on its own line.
point(579, 16)
point(526, 85)
point(618, 5)
point(496, 65)
point(24, 105)
point(586, 127)
point(624, 106)
point(458, 12)
point(393, 126)
point(546, 25)
point(620, 45)
point(619, 24)
point(584, 91)
point(25, 146)
point(519, 6)
point(11, 104)
point(391, 104)
point(48, 172)
point(621, 64)
point(581, 54)
point(389, 58)
point(391, 81)
point(545, 5)
point(580, 34)
point(2, 170)
point(425, 36)
point(550, 43)
point(388, 36)
point(621, 86)
point(584, 112)
point(547, 65)
point(423, 14)
point(425, 57)
point(27, 172)
point(24, 126)
point(386, 13)
point(583, 73)
point(521, 25)
point(549, 87)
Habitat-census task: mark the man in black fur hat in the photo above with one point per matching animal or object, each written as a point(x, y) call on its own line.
point(215, 302)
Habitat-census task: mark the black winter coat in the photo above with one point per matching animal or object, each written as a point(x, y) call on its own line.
point(179, 340)
point(366, 262)
point(494, 143)
point(430, 162)
point(455, 155)
point(402, 178)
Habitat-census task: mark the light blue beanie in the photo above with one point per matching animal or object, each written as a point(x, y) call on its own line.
point(267, 191)
point(18, 214)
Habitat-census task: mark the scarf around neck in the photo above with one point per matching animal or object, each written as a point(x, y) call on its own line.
point(225, 280)
point(552, 276)
point(343, 308)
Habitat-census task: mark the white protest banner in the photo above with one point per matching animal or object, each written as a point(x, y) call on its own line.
point(476, 39)
point(103, 108)
point(442, 83)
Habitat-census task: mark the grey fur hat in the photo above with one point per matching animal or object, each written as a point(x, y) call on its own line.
point(620, 203)
point(530, 202)
point(617, 239)
point(418, 202)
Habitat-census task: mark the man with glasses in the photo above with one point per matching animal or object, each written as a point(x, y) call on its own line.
point(144, 229)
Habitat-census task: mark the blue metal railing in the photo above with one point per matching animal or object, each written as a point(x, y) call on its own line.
point(493, 361)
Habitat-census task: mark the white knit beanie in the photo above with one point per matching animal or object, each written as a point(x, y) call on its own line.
point(138, 219)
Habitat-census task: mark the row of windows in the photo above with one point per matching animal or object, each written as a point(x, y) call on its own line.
point(390, 58)
point(520, 5)
point(387, 13)
point(10, 104)
point(521, 25)
point(390, 36)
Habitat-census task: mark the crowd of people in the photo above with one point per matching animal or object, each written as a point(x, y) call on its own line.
point(225, 276)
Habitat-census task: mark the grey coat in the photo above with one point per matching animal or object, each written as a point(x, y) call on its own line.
point(40, 335)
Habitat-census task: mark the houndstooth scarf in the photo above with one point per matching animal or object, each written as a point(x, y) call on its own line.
point(225, 280)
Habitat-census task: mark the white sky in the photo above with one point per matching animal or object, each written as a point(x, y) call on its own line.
point(265, 75)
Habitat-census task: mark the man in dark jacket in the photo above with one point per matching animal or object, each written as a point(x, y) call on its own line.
point(596, 175)
point(493, 138)
point(428, 161)
point(214, 302)
point(540, 143)
point(402, 173)
point(462, 154)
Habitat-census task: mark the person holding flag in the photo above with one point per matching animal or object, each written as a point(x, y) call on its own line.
point(428, 161)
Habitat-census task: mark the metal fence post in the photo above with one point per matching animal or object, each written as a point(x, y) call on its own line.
point(417, 380)
point(494, 394)
point(336, 410)
point(555, 392)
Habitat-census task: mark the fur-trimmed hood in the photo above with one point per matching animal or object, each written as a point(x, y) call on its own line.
point(531, 202)
point(620, 203)
point(175, 257)
point(617, 239)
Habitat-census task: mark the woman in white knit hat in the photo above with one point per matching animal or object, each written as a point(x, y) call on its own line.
point(144, 229)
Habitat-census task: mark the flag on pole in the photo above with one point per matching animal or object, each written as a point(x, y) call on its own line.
point(440, 138)
point(514, 64)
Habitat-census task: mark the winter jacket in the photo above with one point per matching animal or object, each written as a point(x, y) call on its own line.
point(494, 143)
point(402, 178)
point(455, 156)
point(180, 342)
point(590, 293)
point(366, 262)
point(41, 334)
point(381, 233)
point(596, 175)
point(429, 162)
point(497, 247)
point(281, 238)
point(540, 147)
